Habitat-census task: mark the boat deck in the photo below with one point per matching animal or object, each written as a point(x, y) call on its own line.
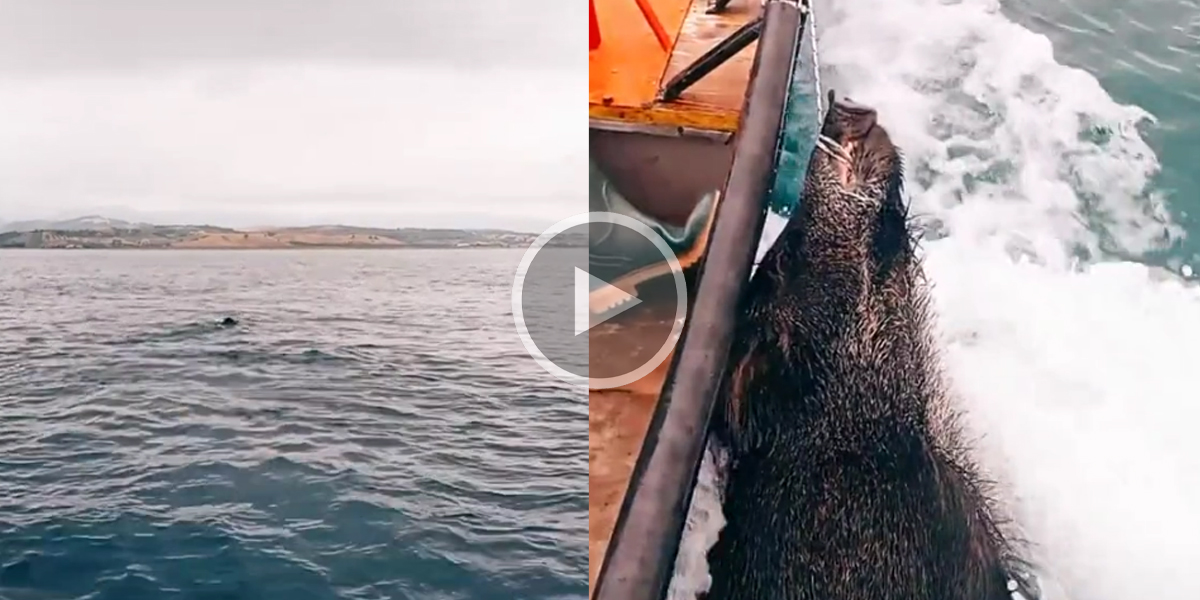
point(663, 176)
point(629, 68)
point(618, 419)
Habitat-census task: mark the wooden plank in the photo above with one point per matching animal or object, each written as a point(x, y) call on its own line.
point(723, 89)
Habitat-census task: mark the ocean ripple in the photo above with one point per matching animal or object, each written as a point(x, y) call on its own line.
point(370, 429)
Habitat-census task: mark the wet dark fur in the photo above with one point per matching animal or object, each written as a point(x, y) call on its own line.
point(850, 479)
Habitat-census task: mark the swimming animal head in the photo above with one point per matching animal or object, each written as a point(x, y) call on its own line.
point(228, 322)
point(850, 477)
point(852, 211)
point(841, 297)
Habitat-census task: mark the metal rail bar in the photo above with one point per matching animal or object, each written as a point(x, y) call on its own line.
point(651, 17)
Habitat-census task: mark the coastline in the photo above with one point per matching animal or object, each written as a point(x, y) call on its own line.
point(277, 248)
point(324, 237)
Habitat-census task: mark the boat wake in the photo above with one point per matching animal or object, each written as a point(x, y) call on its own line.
point(1073, 364)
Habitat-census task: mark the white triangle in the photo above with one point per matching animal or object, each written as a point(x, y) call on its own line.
point(618, 299)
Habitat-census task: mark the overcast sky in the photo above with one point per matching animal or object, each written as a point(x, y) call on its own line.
point(254, 112)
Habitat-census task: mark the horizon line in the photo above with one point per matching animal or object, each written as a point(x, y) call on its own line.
point(259, 227)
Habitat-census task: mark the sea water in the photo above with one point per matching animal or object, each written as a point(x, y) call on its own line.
point(370, 429)
point(1051, 150)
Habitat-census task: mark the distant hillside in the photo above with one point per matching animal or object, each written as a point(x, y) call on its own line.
point(90, 222)
point(100, 232)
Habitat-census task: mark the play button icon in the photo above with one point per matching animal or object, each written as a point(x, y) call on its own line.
point(605, 314)
point(587, 284)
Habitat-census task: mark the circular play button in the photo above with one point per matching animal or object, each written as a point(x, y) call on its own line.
point(606, 315)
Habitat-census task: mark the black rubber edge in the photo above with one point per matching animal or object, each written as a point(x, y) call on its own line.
point(640, 560)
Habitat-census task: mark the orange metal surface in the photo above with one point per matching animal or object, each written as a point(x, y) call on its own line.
point(593, 27)
point(625, 70)
point(664, 39)
point(628, 68)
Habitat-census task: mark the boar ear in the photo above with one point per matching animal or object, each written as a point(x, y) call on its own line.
point(832, 98)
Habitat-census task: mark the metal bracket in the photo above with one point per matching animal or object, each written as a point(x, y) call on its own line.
point(715, 57)
point(716, 7)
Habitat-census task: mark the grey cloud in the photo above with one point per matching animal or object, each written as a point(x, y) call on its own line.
point(286, 111)
point(38, 37)
point(307, 141)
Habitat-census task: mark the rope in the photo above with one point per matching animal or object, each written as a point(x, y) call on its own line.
point(816, 61)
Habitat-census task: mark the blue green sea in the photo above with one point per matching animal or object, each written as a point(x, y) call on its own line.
point(370, 428)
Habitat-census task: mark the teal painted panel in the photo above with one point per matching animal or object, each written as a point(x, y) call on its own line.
point(800, 127)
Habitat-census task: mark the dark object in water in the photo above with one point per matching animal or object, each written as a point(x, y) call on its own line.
point(228, 322)
point(850, 478)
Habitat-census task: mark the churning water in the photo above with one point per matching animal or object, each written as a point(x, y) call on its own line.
point(371, 428)
point(1051, 151)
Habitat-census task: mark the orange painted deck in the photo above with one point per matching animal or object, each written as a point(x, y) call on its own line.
point(618, 419)
point(628, 70)
point(617, 424)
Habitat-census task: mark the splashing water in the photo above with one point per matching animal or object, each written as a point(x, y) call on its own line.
point(1072, 360)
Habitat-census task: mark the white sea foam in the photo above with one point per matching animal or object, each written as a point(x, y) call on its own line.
point(704, 523)
point(1076, 374)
